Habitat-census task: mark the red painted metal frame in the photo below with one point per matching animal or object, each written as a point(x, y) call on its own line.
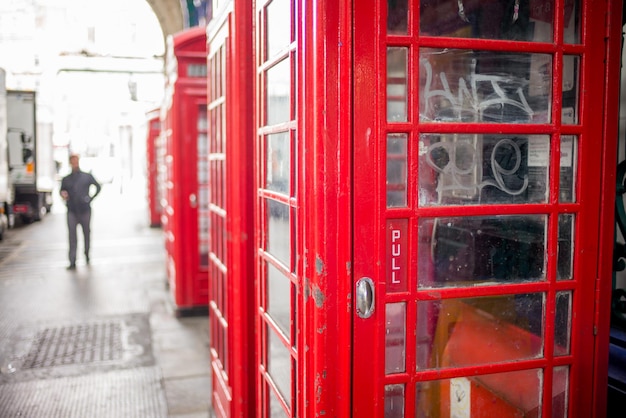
point(152, 135)
point(240, 159)
point(234, 377)
point(606, 233)
point(325, 122)
point(593, 210)
point(187, 97)
point(266, 387)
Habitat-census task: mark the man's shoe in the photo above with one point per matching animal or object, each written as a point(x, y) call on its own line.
point(87, 259)
point(71, 267)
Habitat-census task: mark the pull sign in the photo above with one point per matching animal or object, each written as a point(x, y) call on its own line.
point(365, 297)
point(397, 231)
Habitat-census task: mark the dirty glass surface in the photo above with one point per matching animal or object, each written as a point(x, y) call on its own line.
point(510, 394)
point(517, 20)
point(457, 169)
point(279, 298)
point(396, 170)
point(279, 365)
point(395, 337)
point(481, 330)
point(475, 250)
point(484, 86)
point(397, 84)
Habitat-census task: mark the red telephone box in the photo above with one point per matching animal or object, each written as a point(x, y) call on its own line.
point(185, 203)
point(152, 135)
point(433, 207)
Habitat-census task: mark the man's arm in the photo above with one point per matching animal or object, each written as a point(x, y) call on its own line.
point(63, 191)
point(98, 186)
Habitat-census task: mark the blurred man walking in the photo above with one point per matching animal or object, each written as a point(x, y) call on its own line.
point(76, 191)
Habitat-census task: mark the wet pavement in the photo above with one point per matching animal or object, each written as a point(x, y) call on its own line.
point(102, 340)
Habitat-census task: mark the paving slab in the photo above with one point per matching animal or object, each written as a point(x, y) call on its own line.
point(102, 340)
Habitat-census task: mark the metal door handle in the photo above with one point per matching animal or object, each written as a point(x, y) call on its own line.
point(193, 200)
point(365, 297)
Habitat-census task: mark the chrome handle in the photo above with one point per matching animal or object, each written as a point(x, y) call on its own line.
point(365, 297)
point(193, 200)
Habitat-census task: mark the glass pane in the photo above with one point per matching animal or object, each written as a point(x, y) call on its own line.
point(562, 323)
point(567, 172)
point(278, 162)
point(514, 20)
point(278, 91)
point(276, 409)
point(565, 248)
point(484, 86)
point(397, 255)
point(483, 330)
point(457, 169)
point(510, 394)
point(394, 401)
point(469, 251)
point(279, 298)
point(395, 338)
point(278, 26)
point(570, 93)
point(560, 385)
point(279, 365)
point(397, 84)
point(571, 32)
point(396, 170)
point(278, 232)
point(397, 17)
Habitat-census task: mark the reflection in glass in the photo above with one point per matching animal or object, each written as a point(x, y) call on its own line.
point(507, 20)
point(565, 247)
point(570, 94)
point(278, 232)
point(279, 364)
point(467, 251)
point(484, 86)
point(482, 330)
point(394, 401)
point(560, 389)
point(396, 170)
point(397, 17)
point(278, 79)
point(397, 84)
point(279, 298)
point(278, 26)
point(572, 19)
point(276, 408)
point(567, 172)
point(278, 162)
point(509, 394)
point(562, 323)
point(395, 337)
point(457, 169)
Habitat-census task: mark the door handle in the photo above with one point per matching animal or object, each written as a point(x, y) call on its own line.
point(365, 299)
point(193, 200)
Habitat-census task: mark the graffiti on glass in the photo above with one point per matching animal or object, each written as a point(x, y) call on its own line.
point(462, 160)
point(482, 97)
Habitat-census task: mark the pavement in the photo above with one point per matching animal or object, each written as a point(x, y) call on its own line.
point(102, 340)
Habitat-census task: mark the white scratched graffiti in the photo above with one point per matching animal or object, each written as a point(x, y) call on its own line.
point(474, 98)
point(468, 176)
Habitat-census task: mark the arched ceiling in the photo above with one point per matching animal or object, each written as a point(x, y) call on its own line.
point(170, 15)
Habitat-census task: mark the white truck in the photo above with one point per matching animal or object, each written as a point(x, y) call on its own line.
point(6, 191)
point(32, 169)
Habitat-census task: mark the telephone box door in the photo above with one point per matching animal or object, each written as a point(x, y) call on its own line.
point(480, 234)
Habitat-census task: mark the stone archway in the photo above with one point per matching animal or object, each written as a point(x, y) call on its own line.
point(170, 15)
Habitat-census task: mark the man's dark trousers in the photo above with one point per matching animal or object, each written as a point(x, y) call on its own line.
point(73, 220)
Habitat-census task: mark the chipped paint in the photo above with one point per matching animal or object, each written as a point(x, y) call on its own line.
point(319, 265)
point(319, 296)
